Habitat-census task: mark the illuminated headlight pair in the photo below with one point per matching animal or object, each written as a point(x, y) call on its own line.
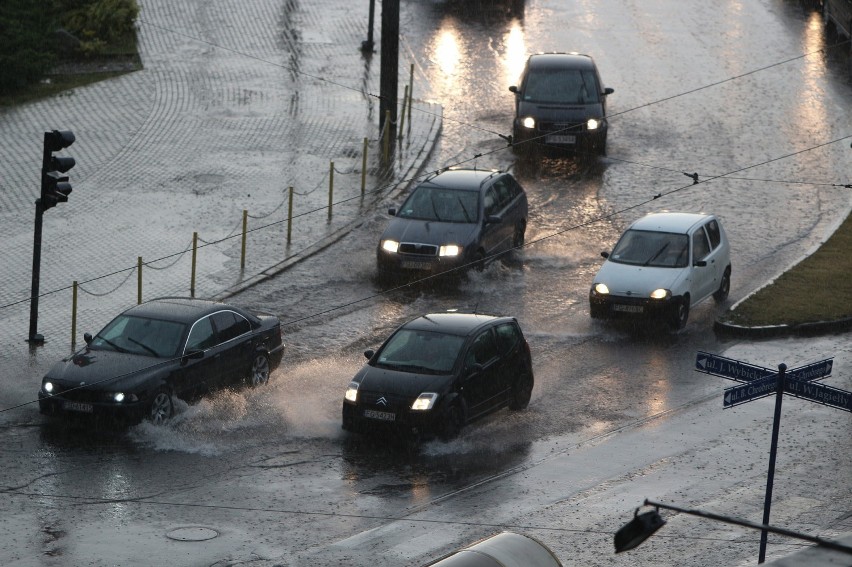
point(591, 123)
point(392, 246)
point(660, 293)
point(424, 401)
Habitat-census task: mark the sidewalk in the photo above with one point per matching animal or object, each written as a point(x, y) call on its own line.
point(230, 110)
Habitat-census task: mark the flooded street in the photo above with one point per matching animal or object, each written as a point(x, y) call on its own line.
point(747, 95)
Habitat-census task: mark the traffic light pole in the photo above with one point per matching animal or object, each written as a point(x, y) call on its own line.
point(34, 336)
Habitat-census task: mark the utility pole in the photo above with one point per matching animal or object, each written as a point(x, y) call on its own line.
point(389, 65)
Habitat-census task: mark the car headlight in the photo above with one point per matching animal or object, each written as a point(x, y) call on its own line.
point(449, 250)
point(390, 245)
point(47, 387)
point(121, 397)
point(600, 288)
point(424, 401)
point(351, 394)
point(528, 122)
point(660, 294)
point(593, 124)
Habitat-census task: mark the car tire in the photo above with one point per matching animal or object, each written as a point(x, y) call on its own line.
point(521, 393)
point(721, 294)
point(680, 314)
point(162, 407)
point(520, 231)
point(453, 422)
point(259, 372)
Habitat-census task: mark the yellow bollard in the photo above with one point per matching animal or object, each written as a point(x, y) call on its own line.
point(74, 315)
point(138, 280)
point(330, 187)
point(410, 92)
point(194, 255)
point(243, 250)
point(386, 139)
point(402, 114)
point(364, 168)
point(290, 217)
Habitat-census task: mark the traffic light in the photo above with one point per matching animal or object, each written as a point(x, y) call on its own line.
point(55, 187)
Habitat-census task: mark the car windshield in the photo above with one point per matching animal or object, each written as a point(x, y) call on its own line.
point(561, 86)
point(444, 204)
point(421, 351)
point(140, 335)
point(649, 248)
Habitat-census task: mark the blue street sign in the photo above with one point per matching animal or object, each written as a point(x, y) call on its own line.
point(820, 393)
point(813, 371)
point(749, 391)
point(730, 368)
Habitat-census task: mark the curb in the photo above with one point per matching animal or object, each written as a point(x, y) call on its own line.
point(772, 331)
point(416, 165)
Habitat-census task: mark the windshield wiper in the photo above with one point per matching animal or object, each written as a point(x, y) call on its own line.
point(434, 208)
point(464, 210)
point(143, 345)
point(654, 257)
point(110, 343)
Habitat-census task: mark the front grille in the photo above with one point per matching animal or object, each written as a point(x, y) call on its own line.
point(418, 249)
point(394, 402)
point(561, 127)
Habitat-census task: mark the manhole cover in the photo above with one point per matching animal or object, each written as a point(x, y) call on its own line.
point(192, 533)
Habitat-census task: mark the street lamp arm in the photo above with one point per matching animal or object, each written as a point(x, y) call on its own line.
point(781, 531)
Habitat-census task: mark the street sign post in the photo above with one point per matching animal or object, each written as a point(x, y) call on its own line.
point(757, 382)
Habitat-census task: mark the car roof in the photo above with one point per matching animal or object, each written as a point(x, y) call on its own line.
point(453, 323)
point(680, 223)
point(181, 309)
point(560, 61)
point(462, 178)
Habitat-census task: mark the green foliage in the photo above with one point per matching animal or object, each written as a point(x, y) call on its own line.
point(25, 55)
point(98, 23)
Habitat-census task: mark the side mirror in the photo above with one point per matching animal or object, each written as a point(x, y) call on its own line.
point(700, 263)
point(608, 91)
point(493, 219)
point(192, 354)
point(87, 337)
point(392, 211)
point(369, 353)
point(514, 89)
point(473, 370)
point(605, 254)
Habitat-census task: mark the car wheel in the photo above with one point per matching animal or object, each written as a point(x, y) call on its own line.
point(479, 261)
point(259, 372)
point(162, 407)
point(520, 231)
point(522, 393)
point(453, 421)
point(721, 294)
point(680, 314)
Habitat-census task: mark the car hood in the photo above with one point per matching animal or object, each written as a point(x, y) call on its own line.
point(549, 112)
point(106, 369)
point(407, 384)
point(430, 232)
point(629, 279)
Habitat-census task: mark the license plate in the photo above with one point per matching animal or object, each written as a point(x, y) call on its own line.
point(382, 415)
point(412, 265)
point(559, 139)
point(628, 308)
point(77, 406)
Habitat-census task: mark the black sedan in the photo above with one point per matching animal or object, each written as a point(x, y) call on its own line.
point(453, 219)
point(166, 348)
point(437, 373)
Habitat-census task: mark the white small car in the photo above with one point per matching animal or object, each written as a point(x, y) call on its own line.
point(662, 265)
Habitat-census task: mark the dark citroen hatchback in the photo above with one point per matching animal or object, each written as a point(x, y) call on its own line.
point(456, 218)
point(166, 348)
point(560, 103)
point(438, 372)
